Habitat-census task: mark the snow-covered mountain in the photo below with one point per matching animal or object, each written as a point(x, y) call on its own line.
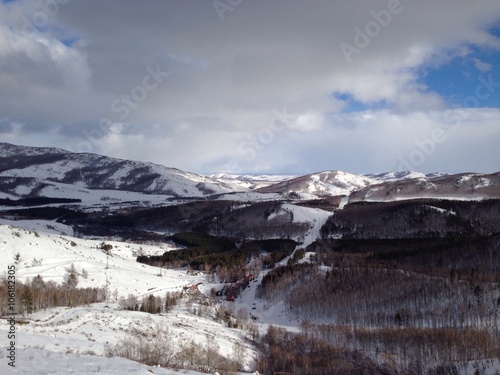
point(391, 186)
point(402, 175)
point(32, 171)
point(325, 183)
point(252, 182)
point(463, 186)
point(50, 172)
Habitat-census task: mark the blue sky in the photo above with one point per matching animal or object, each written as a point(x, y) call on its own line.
point(455, 80)
point(262, 87)
point(353, 105)
point(458, 79)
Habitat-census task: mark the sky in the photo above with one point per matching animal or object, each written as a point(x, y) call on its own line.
point(257, 86)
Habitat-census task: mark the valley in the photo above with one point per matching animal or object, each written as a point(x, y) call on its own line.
point(326, 273)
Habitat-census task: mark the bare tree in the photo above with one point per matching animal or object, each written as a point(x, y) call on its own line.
point(153, 347)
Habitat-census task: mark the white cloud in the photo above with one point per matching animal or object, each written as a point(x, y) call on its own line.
point(482, 66)
point(308, 122)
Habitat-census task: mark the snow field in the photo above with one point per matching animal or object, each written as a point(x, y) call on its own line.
point(33, 361)
point(63, 335)
point(50, 255)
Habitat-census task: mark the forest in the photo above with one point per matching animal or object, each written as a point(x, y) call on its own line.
point(205, 252)
point(328, 349)
point(415, 218)
point(412, 306)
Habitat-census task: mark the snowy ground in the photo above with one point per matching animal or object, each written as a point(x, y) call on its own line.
point(42, 362)
point(73, 340)
point(58, 338)
point(67, 333)
point(50, 254)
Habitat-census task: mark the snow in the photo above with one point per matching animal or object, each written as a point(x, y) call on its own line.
point(315, 216)
point(484, 182)
point(43, 171)
point(72, 340)
point(43, 362)
point(89, 196)
point(249, 196)
point(57, 336)
point(267, 313)
point(113, 173)
point(57, 339)
point(47, 226)
point(121, 173)
point(248, 177)
point(336, 183)
point(22, 190)
point(57, 252)
point(420, 196)
point(60, 190)
point(6, 196)
point(343, 202)
point(250, 181)
point(486, 367)
point(272, 216)
point(402, 175)
point(307, 257)
point(442, 210)
point(90, 328)
point(8, 149)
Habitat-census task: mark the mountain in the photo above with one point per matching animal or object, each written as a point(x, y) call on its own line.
point(27, 172)
point(31, 171)
point(402, 175)
point(251, 182)
point(390, 186)
point(325, 183)
point(463, 186)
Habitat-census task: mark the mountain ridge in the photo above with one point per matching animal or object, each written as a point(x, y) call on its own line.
point(93, 171)
point(27, 171)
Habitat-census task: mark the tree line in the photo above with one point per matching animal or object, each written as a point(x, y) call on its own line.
point(209, 253)
point(37, 294)
point(329, 349)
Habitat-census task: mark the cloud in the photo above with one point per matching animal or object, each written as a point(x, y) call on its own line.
point(482, 66)
point(308, 122)
point(89, 61)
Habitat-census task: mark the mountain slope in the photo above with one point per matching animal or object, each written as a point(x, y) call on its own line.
point(321, 184)
point(463, 186)
point(50, 172)
point(39, 169)
point(391, 186)
point(89, 329)
point(251, 181)
point(402, 175)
